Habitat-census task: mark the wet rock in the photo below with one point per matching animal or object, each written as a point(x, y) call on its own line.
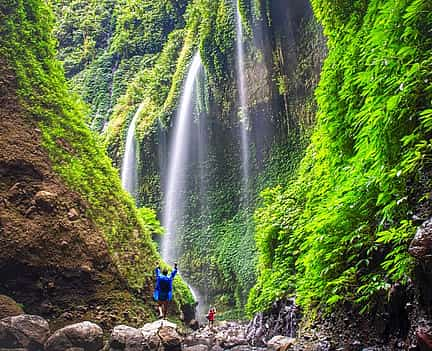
point(193, 324)
point(85, 335)
point(24, 331)
point(281, 319)
point(131, 339)
point(280, 343)
point(217, 348)
point(424, 339)
point(8, 307)
point(421, 246)
point(170, 339)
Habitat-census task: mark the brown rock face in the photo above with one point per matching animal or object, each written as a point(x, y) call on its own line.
point(421, 245)
point(52, 255)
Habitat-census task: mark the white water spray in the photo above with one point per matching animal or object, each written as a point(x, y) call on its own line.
point(129, 175)
point(243, 94)
point(178, 157)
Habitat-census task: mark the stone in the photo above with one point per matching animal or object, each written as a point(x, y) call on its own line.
point(280, 343)
point(170, 339)
point(193, 324)
point(127, 338)
point(196, 348)
point(24, 331)
point(241, 348)
point(45, 200)
point(85, 335)
point(421, 246)
point(73, 214)
point(157, 325)
point(8, 307)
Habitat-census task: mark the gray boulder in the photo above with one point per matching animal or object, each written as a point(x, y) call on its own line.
point(24, 331)
point(124, 338)
point(196, 348)
point(280, 343)
point(170, 339)
point(85, 335)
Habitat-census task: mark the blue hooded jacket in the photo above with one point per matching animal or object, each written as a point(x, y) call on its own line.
point(163, 289)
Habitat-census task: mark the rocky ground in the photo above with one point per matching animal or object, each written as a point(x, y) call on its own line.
point(32, 333)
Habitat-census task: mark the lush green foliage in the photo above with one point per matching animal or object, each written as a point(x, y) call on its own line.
point(28, 47)
point(339, 232)
point(103, 44)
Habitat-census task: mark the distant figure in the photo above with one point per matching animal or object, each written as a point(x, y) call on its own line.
point(163, 289)
point(211, 317)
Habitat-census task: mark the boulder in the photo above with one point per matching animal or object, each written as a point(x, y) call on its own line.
point(155, 326)
point(170, 339)
point(24, 331)
point(421, 246)
point(280, 343)
point(194, 325)
point(241, 348)
point(131, 339)
point(196, 348)
point(8, 307)
point(85, 335)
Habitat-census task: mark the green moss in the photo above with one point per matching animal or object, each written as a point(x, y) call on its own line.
point(341, 229)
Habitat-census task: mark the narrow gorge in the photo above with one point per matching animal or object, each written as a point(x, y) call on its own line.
point(278, 151)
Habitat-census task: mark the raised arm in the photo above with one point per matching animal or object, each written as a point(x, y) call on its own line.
point(174, 272)
point(157, 271)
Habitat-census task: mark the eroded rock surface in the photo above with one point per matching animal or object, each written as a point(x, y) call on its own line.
point(85, 335)
point(24, 331)
point(421, 245)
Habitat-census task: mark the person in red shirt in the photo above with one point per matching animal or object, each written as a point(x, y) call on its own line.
point(211, 317)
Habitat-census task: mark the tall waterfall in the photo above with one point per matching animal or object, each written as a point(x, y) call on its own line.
point(174, 202)
point(129, 176)
point(243, 95)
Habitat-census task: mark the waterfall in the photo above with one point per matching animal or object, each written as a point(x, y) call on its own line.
point(129, 177)
point(243, 95)
point(177, 164)
point(180, 151)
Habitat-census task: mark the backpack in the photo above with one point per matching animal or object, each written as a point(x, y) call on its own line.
point(164, 285)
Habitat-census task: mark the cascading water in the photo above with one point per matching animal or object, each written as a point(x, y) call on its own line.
point(243, 95)
point(178, 160)
point(178, 157)
point(129, 175)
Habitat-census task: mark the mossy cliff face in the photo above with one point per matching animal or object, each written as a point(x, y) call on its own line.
point(71, 238)
point(104, 44)
point(340, 230)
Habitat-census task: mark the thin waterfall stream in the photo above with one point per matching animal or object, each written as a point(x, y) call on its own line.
point(129, 174)
point(243, 114)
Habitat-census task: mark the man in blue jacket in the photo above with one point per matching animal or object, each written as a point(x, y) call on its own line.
point(163, 289)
